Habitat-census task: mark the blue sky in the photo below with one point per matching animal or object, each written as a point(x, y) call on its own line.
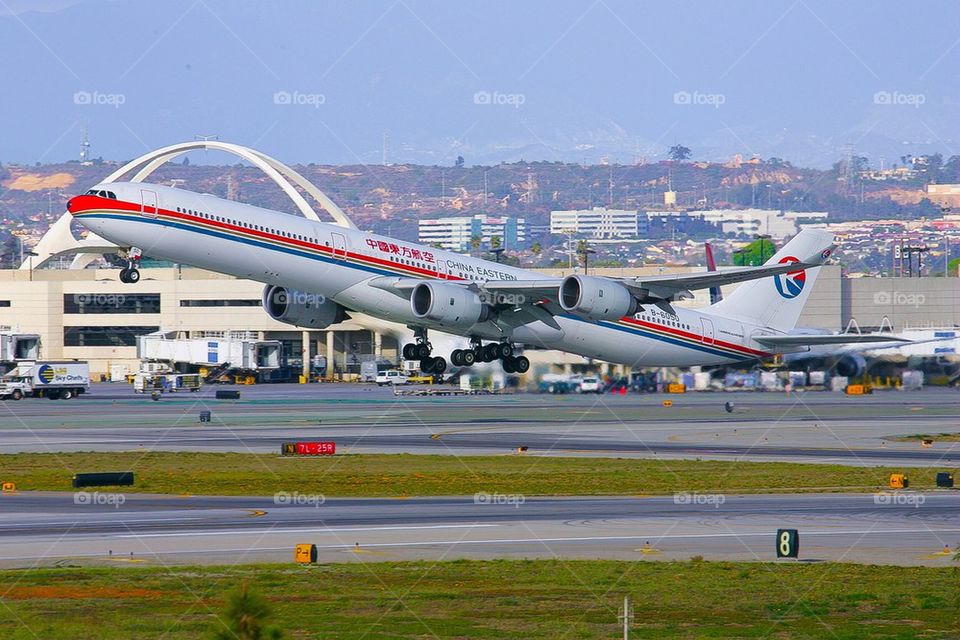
point(326, 82)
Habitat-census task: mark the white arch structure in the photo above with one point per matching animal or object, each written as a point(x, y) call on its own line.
point(59, 239)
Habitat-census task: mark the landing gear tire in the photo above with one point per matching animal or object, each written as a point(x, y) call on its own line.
point(422, 351)
point(468, 357)
point(504, 350)
point(521, 364)
point(456, 358)
point(430, 365)
point(508, 366)
point(410, 351)
point(133, 276)
point(490, 353)
point(123, 275)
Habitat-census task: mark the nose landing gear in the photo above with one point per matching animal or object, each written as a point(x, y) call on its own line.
point(131, 274)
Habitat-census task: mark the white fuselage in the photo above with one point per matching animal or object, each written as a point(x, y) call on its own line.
point(281, 249)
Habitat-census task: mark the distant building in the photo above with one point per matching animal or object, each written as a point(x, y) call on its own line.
point(777, 224)
point(598, 222)
point(456, 234)
point(944, 195)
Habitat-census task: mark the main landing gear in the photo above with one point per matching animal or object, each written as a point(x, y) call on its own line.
point(131, 274)
point(479, 352)
point(421, 350)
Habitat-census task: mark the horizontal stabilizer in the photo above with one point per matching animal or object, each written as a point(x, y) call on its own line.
point(813, 340)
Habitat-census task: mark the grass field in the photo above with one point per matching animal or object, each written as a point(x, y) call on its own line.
point(547, 599)
point(414, 475)
point(936, 437)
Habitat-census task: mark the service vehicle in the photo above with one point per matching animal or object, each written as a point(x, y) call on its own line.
point(54, 380)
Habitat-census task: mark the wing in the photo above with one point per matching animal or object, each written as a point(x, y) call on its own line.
point(519, 302)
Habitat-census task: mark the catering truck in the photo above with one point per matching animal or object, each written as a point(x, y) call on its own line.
point(54, 380)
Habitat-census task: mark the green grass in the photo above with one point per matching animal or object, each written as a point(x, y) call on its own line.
point(936, 437)
point(547, 599)
point(413, 475)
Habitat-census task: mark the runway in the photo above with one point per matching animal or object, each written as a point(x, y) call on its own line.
point(39, 529)
point(810, 427)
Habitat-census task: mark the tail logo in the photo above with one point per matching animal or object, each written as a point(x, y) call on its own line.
point(790, 284)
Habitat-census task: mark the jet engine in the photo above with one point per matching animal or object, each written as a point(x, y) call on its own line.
point(448, 305)
point(851, 365)
point(307, 310)
point(596, 298)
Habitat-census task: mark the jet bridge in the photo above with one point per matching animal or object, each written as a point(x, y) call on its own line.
point(231, 353)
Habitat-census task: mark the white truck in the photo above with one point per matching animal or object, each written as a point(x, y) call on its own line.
point(54, 380)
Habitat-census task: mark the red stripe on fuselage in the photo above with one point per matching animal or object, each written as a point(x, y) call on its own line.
point(692, 336)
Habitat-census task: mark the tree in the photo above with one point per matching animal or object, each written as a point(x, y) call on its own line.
point(751, 254)
point(246, 617)
point(495, 242)
point(459, 162)
point(679, 153)
point(475, 242)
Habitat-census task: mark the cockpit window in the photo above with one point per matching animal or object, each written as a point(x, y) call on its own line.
point(102, 193)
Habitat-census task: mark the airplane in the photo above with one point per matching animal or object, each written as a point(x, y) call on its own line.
point(316, 273)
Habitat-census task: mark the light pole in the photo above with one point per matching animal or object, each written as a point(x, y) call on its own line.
point(586, 258)
point(496, 252)
point(761, 237)
point(31, 255)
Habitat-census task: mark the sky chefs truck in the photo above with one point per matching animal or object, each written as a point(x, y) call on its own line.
point(54, 380)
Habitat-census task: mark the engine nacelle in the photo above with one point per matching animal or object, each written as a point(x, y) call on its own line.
point(448, 305)
point(596, 298)
point(307, 310)
point(851, 365)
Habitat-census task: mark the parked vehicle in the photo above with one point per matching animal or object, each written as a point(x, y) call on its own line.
point(591, 385)
point(391, 376)
point(54, 380)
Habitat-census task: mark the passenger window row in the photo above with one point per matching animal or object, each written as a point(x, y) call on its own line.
point(246, 225)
